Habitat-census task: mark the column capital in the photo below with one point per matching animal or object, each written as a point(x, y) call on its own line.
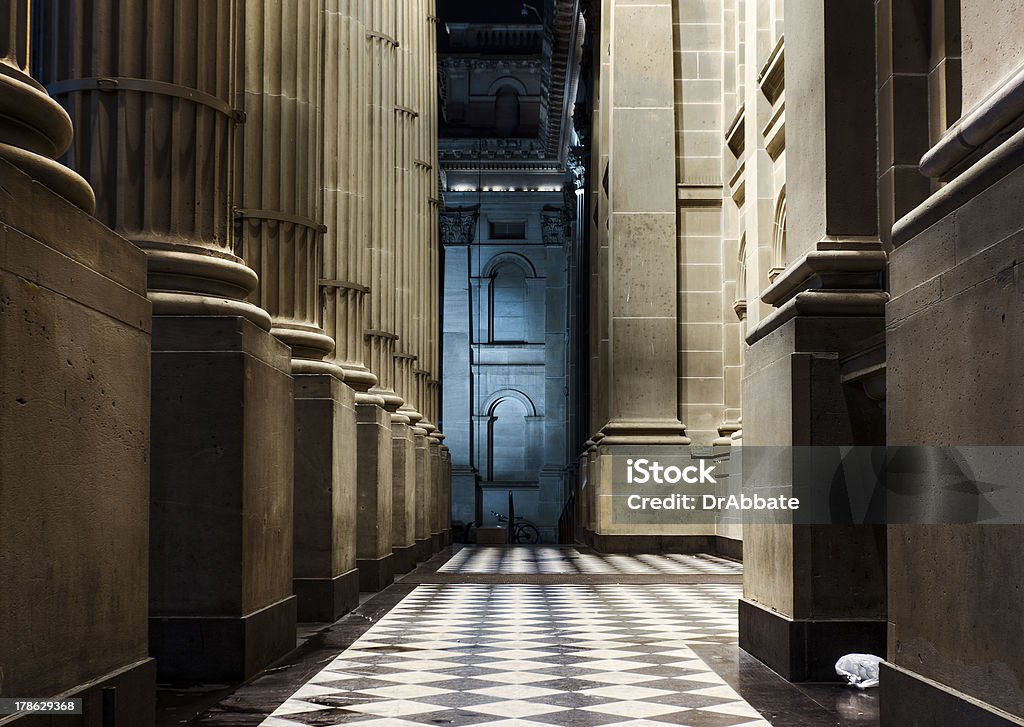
point(458, 225)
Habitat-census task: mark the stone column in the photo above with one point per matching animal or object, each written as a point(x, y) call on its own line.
point(557, 237)
point(159, 122)
point(435, 260)
point(640, 209)
point(346, 178)
point(374, 408)
point(279, 211)
point(814, 593)
point(279, 174)
point(457, 229)
point(637, 377)
point(403, 534)
point(74, 419)
point(344, 285)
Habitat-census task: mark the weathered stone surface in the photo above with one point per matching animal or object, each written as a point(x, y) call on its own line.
point(74, 442)
point(325, 498)
point(222, 494)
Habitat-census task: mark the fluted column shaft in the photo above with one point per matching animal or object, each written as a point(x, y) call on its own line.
point(380, 315)
point(432, 234)
point(34, 129)
point(157, 128)
point(279, 171)
point(408, 120)
point(346, 281)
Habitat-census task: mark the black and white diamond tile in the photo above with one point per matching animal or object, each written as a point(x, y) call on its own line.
point(547, 559)
point(515, 654)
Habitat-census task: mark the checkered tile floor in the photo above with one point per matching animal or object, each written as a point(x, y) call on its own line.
point(515, 654)
point(541, 559)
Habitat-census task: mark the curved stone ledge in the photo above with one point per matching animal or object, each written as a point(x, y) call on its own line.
point(187, 304)
point(643, 433)
point(358, 377)
point(977, 127)
point(1001, 161)
point(54, 175)
point(836, 303)
point(844, 266)
point(30, 118)
point(198, 270)
point(306, 341)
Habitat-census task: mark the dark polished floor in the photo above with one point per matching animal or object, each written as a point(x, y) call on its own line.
point(531, 636)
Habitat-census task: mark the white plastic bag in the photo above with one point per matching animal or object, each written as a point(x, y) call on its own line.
point(859, 670)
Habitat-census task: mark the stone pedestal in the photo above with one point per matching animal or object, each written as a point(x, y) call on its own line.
point(436, 505)
point(74, 439)
point(159, 135)
point(634, 317)
point(403, 497)
point(221, 603)
point(814, 593)
point(810, 593)
point(326, 578)
point(424, 543)
point(373, 552)
point(446, 498)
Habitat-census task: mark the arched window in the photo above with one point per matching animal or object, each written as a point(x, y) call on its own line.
point(508, 304)
point(506, 112)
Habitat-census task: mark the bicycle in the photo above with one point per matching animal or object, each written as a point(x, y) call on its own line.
point(523, 531)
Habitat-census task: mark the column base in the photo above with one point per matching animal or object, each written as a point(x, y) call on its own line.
point(805, 650)
point(222, 649)
point(436, 543)
point(374, 488)
point(423, 549)
point(325, 600)
point(376, 574)
point(325, 577)
point(404, 558)
point(222, 461)
point(909, 700)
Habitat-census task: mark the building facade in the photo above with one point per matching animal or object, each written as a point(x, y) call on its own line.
point(511, 242)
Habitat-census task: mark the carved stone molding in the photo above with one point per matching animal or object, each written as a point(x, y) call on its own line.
point(576, 166)
point(458, 226)
point(554, 226)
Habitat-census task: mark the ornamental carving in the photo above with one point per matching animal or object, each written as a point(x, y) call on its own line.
point(576, 166)
point(554, 226)
point(458, 226)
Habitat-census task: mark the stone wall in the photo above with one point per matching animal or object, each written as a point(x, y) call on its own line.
point(954, 656)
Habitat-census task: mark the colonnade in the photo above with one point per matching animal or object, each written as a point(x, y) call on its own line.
point(277, 165)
